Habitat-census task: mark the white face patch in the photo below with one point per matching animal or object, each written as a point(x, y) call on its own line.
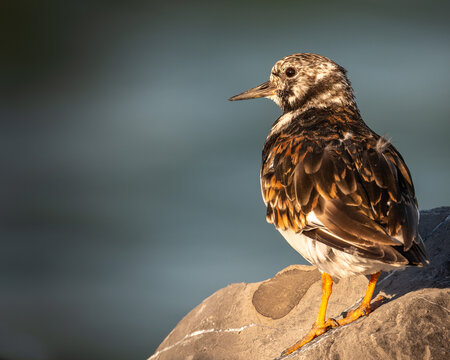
point(324, 70)
point(275, 99)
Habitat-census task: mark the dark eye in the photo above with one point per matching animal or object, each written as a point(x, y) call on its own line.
point(290, 72)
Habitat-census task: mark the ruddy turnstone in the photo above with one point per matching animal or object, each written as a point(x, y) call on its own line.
point(340, 194)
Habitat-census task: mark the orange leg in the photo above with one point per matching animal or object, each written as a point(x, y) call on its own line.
point(364, 308)
point(320, 326)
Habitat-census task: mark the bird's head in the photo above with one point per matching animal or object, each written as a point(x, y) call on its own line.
point(303, 81)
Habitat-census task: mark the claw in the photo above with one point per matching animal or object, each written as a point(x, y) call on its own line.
point(379, 299)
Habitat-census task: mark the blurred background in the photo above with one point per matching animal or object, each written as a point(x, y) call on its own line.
point(130, 185)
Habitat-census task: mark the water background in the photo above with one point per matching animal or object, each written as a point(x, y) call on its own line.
point(130, 185)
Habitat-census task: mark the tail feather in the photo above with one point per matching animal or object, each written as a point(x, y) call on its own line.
point(417, 254)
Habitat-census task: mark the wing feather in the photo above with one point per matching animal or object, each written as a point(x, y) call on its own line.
point(361, 193)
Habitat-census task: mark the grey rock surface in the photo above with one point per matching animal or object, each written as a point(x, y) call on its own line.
point(260, 320)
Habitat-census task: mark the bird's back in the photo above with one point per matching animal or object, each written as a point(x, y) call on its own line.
point(328, 177)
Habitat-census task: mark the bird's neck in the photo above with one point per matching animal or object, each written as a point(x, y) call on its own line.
point(331, 91)
point(327, 121)
point(335, 98)
point(345, 113)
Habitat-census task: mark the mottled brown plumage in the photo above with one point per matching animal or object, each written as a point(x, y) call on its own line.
point(359, 188)
point(339, 193)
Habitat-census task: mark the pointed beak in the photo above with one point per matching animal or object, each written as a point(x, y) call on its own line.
point(264, 90)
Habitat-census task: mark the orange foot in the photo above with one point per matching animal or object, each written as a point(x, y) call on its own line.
point(362, 310)
point(321, 326)
point(315, 331)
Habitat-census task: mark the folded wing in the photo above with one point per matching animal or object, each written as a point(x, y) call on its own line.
point(356, 196)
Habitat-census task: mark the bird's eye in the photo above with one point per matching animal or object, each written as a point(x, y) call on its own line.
point(290, 72)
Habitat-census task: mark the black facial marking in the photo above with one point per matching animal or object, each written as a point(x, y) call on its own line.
point(284, 94)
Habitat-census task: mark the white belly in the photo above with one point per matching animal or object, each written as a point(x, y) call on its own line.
point(337, 263)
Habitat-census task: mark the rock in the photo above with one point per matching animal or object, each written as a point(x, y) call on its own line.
point(260, 320)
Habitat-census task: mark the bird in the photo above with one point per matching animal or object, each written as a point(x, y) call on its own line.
point(340, 194)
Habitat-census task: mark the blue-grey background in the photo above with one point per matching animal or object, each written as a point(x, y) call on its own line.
point(130, 185)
